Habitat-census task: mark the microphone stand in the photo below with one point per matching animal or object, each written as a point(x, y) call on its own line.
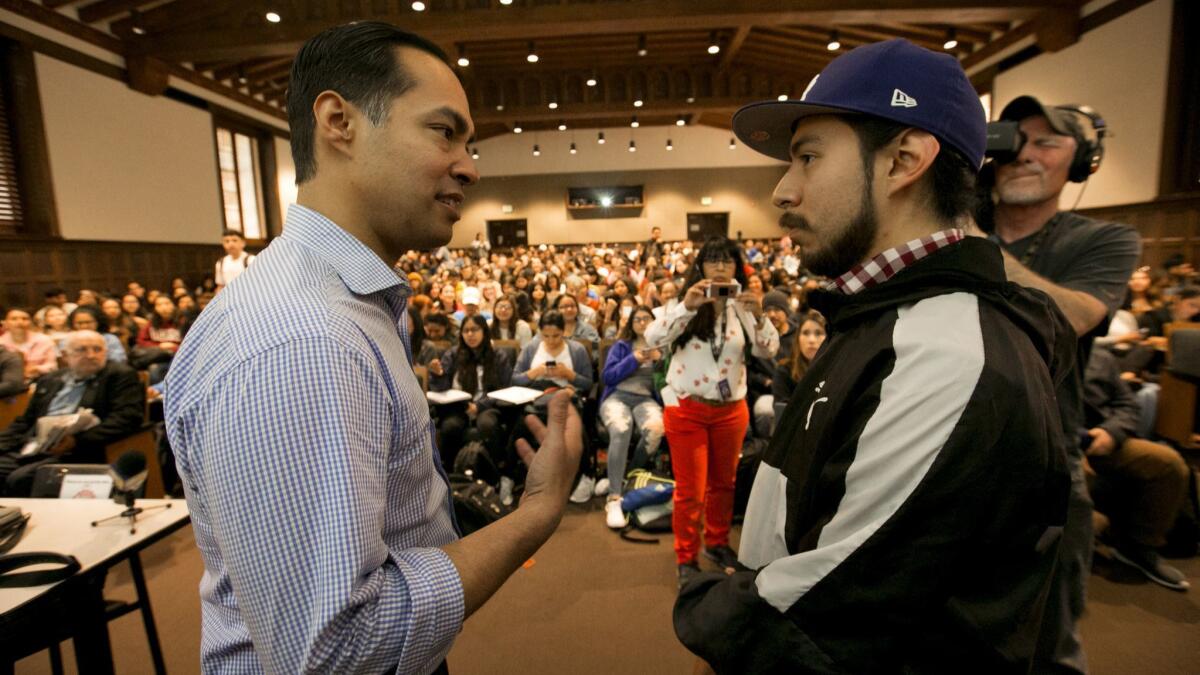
point(131, 512)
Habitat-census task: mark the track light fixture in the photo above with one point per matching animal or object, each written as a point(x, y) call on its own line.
point(600, 138)
point(713, 46)
point(834, 44)
point(532, 57)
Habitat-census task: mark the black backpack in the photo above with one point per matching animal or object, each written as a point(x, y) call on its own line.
point(474, 461)
point(476, 504)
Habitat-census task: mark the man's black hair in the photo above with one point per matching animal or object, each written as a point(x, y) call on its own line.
point(358, 61)
point(951, 181)
point(233, 233)
point(553, 318)
point(437, 319)
point(52, 292)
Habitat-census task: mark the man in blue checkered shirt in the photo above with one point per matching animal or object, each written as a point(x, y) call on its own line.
point(301, 433)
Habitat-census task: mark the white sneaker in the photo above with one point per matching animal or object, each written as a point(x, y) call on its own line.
point(583, 490)
point(601, 487)
point(614, 517)
point(506, 490)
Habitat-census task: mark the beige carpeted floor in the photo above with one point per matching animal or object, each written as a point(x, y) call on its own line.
point(592, 603)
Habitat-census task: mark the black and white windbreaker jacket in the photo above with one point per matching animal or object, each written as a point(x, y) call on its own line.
point(906, 514)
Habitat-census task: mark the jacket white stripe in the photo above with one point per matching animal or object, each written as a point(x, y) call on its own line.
point(939, 358)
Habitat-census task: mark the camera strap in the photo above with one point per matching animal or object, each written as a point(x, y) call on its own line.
point(1035, 246)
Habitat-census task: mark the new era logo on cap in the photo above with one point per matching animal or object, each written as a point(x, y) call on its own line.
point(902, 100)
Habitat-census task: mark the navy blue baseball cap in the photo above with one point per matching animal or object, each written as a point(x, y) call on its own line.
point(895, 80)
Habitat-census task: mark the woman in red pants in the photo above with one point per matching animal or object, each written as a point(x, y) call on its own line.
point(704, 413)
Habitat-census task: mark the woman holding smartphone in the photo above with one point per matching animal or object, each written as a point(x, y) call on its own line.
point(629, 398)
point(704, 408)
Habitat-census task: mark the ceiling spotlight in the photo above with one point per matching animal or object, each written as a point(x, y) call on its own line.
point(506, 2)
point(562, 126)
point(634, 123)
point(463, 61)
point(573, 150)
point(138, 30)
point(632, 146)
point(637, 103)
point(418, 6)
point(136, 17)
point(591, 81)
point(553, 105)
point(517, 129)
point(833, 45)
point(670, 146)
point(951, 40)
point(241, 76)
point(600, 138)
point(537, 152)
point(474, 153)
point(273, 17)
point(499, 107)
point(783, 97)
point(691, 99)
point(680, 121)
point(713, 47)
point(732, 143)
point(533, 57)
point(641, 50)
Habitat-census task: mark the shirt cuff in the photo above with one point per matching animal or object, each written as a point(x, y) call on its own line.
point(435, 604)
point(678, 311)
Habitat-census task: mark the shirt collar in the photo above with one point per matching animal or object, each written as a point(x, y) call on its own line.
point(357, 265)
point(889, 263)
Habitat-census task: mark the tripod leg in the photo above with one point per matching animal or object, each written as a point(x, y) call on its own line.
point(139, 581)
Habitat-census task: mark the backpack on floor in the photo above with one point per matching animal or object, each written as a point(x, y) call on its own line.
point(476, 504)
point(648, 502)
point(474, 461)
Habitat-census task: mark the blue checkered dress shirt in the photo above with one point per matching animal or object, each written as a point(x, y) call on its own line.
point(305, 447)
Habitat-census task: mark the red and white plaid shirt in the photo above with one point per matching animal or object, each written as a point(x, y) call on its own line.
point(887, 264)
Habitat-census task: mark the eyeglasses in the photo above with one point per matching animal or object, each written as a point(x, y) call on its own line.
point(643, 319)
point(720, 262)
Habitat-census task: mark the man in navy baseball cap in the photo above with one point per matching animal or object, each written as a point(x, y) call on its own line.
point(907, 513)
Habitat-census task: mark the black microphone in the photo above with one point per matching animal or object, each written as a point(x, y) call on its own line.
point(129, 472)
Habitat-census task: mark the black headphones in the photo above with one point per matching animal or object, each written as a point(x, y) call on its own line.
point(1088, 153)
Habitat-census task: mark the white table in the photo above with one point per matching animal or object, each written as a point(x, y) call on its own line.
point(65, 526)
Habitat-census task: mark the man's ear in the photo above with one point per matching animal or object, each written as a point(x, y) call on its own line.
point(911, 154)
point(336, 123)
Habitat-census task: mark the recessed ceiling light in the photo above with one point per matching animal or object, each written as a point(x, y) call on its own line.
point(600, 138)
point(517, 129)
point(537, 152)
point(474, 153)
point(500, 107)
point(670, 146)
point(138, 30)
point(783, 97)
point(680, 122)
point(632, 146)
point(634, 123)
point(533, 57)
point(637, 103)
point(713, 46)
point(273, 17)
point(562, 126)
point(506, 2)
point(691, 99)
point(463, 61)
point(732, 144)
point(418, 6)
point(573, 150)
point(553, 105)
point(591, 82)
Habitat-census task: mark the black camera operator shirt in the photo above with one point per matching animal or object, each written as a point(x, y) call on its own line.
point(1082, 254)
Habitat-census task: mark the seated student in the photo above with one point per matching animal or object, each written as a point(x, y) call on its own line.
point(761, 394)
point(88, 317)
point(1184, 305)
point(12, 373)
point(803, 344)
point(165, 330)
point(506, 325)
point(629, 398)
point(474, 367)
point(54, 323)
point(437, 334)
point(471, 299)
point(38, 350)
point(111, 390)
point(1138, 484)
point(574, 328)
point(551, 361)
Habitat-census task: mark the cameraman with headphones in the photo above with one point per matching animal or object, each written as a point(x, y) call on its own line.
point(1084, 265)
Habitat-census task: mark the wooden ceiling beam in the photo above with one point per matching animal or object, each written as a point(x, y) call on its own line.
point(617, 111)
point(238, 40)
point(107, 9)
point(735, 45)
point(58, 4)
point(231, 69)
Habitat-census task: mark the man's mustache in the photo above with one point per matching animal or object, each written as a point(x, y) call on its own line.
point(794, 221)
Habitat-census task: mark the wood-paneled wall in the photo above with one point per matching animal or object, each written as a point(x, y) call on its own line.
point(1168, 226)
point(28, 268)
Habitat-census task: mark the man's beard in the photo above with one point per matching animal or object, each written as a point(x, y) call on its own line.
point(1024, 195)
point(851, 246)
